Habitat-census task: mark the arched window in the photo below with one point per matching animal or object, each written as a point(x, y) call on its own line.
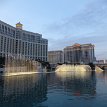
point(86, 54)
point(5, 29)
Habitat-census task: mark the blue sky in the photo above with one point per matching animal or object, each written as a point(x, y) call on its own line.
point(62, 22)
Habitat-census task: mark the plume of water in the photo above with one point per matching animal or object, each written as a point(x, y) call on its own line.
point(18, 65)
point(77, 68)
point(98, 69)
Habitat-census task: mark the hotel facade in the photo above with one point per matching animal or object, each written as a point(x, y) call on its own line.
point(16, 42)
point(79, 53)
point(55, 57)
point(75, 54)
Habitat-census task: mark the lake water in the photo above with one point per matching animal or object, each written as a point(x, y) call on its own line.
point(54, 90)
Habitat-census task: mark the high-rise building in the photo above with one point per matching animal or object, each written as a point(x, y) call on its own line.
point(18, 42)
point(55, 57)
point(105, 61)
point(79, 53)
point(100, 61)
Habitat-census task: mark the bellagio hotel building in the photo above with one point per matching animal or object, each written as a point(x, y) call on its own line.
point(16, 42)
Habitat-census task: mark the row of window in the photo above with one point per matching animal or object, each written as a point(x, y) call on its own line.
point(15, 33)
point(7, 31)
point(31, 38)
point(8, 45)
point(78, 55)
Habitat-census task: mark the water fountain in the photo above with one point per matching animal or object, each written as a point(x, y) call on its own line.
point(18, 65)
point(75, 68)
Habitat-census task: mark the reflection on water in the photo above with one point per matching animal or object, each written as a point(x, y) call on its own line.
point(21, 91)
point(64, 89)
point(77, 84)
point(76, 74)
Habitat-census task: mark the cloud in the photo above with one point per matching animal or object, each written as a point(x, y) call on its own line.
point(2, 2)
point(99, 42)
point(88, 26)
point(92, 18)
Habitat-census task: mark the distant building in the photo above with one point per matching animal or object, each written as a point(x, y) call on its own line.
point(18, 42)
point(100, 62)
point(55, 57)
point(105, 61)
point(79, 53)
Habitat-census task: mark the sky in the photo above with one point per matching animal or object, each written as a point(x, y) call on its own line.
point(62, 22)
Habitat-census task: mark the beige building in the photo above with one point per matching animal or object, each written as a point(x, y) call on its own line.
point(16, 42)
point(79, 53)
point(101, 61)
point(105, 61)
point(55, 57)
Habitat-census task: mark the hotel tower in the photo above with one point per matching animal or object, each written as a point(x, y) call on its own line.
point(16, 42)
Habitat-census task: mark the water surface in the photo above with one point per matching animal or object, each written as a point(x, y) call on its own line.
point(54, 90)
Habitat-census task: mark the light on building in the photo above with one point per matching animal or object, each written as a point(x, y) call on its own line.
point(19, 26)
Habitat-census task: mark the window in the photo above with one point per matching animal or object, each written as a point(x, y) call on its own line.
point(5, 30)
